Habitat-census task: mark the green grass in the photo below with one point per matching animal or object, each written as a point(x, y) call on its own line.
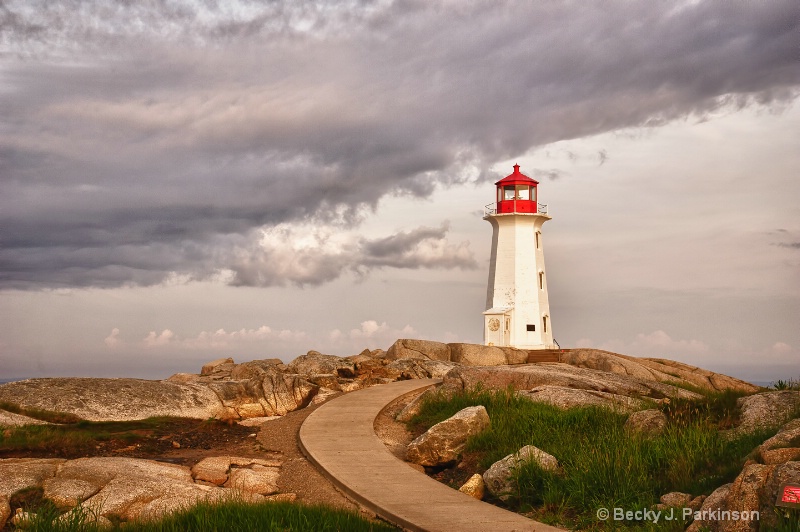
point(228, 516)
point(604, 466)
point(83, 436)
point(42, 415)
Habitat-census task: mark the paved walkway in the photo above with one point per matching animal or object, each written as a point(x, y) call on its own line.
point(340, 439)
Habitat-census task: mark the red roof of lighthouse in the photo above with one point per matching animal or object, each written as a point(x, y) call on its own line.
point(516, 178)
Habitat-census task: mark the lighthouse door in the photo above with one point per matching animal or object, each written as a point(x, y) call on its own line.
point(496, 330)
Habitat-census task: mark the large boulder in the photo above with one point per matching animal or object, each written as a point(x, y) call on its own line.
point(444, 442)
point(499, 478)
point(256, 369)
point(646, 422)
point(424, 349)
point(220, 367)
point(314, 363)
point(767, 409)
point(563, 397)
point(286, 393)
point(784, 446)
point(97, 399)
point(477, 355)
point(415, 368)
point(657, 369)
point(530, 376)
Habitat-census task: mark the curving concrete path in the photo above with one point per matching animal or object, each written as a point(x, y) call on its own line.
point(339, 437)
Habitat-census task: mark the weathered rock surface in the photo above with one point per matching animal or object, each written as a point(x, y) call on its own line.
point(5, 509)
point(529, 376)
point(131, 488)
point(767, 409)
point(444, 442)
point(477, 355)
point(565, 398)
point(259, 479)
point(646, 422)
point(661, 370)
point(474, 487)
point(784, 446)
point(423, 349)
point(17, 474)
point(716, 502)
point(219, 366)
point(115, 399)
point(315, 362)
point(676, 499)
point(499, 478)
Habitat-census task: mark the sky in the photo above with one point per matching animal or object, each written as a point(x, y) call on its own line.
point(186, 180)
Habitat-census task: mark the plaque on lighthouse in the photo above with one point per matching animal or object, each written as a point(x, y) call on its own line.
point(517, 309)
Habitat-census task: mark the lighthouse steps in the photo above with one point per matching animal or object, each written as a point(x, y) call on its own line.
point(545, 355)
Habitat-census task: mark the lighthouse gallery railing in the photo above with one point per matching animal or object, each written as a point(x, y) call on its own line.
point(491, 209)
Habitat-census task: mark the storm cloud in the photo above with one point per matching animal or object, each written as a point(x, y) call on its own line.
point(140, 140)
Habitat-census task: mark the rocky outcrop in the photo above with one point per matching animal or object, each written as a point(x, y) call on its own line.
point(646, 422)
point(529, 376)
point(499, 478)
point(132, 489)
point(657, 369)
point(221, 367)
point(115, 399)
point(315, 362)
point(767, 409)
point(563, 397)
point(444, 442)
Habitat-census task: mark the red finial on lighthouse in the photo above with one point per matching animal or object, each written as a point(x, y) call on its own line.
point(516, 168)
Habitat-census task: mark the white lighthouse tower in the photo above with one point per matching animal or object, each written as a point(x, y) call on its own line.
point(517, 309)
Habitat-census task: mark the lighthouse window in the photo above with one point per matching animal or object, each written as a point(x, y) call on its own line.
point(537, 239)
point(531, 327)
point(544, 321)
point(541, 280)
point(523, 192)
point(533, 193)
point(508, 192)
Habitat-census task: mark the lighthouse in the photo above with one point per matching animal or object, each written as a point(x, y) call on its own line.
point(517, 309)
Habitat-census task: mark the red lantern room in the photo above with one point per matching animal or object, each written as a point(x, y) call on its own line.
point(516, 193)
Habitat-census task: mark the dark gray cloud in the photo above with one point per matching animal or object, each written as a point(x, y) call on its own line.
point(138, 139)
point(310, 255)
